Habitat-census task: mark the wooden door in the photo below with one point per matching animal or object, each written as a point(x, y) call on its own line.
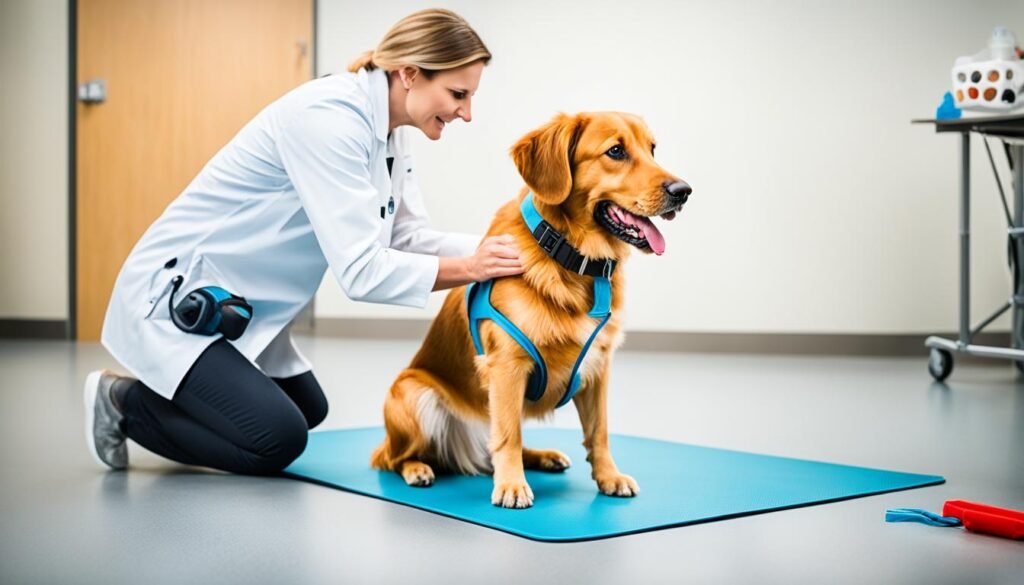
point(182, 77)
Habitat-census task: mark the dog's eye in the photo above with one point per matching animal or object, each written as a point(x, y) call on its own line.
point(652, 149)
point(616, 152)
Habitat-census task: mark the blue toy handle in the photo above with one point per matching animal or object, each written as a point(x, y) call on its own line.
point(920, 516)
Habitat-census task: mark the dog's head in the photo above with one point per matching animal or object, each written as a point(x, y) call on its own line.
point(598, 170)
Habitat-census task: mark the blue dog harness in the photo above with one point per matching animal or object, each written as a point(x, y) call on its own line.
point(478, 301)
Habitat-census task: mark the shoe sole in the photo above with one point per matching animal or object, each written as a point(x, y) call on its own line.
point(92, 386)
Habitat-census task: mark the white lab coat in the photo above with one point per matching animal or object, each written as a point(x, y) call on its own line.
point(298, 189)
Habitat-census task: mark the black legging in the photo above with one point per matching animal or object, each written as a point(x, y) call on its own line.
point(227, 414)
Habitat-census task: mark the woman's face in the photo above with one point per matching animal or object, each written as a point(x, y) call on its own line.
point(432, 103)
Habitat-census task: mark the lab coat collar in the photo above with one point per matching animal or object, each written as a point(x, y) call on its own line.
point(377, 81)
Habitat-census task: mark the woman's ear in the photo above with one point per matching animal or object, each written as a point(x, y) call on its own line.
point(408, 73)
point(544, 158)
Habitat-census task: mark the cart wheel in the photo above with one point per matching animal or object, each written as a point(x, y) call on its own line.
point(940, 364)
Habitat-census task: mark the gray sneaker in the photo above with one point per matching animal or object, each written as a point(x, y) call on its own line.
point(103, 431)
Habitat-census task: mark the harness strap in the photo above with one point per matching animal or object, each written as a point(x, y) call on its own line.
point(479, 307)
point(478, 302)
point(602, 310)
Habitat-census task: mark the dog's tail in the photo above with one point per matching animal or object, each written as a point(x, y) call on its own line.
point(380, 458)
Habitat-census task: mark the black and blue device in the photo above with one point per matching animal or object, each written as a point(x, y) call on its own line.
point(210, 310)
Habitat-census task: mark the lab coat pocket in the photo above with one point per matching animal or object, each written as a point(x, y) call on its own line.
point(160, 286)
point(201, 272)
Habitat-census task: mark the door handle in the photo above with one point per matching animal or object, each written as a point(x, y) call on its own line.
point(93, 91)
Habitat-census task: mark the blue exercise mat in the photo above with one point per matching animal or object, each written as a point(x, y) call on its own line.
point(679, 484)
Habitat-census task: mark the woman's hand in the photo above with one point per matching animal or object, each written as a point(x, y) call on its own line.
point(495, 257)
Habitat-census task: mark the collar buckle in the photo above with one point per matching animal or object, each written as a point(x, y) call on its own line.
point(550, 239)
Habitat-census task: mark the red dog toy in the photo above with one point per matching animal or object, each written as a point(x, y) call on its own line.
point(988, 519)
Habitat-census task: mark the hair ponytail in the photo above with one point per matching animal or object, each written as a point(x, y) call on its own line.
point(433, 40)
point(364, 61)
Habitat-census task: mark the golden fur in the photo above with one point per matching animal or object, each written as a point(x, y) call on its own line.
point(447, 396)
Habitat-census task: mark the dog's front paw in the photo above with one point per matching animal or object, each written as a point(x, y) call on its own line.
point(512, 494)
point(417, 474)
point(546, 460)
point(618, 484)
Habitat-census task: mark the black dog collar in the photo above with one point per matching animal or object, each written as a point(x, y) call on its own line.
point(554, 245)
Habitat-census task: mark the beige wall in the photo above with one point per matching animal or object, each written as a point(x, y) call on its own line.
point(817, 206)
point(33, 159)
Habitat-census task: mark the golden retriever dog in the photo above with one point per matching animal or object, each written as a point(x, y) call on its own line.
point(594, 179)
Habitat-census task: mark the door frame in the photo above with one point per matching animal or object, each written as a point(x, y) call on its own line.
point(71, 328)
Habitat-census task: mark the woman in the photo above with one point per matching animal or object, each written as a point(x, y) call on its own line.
point(320, 179)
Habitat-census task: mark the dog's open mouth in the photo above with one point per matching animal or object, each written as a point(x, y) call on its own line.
point(633, 229)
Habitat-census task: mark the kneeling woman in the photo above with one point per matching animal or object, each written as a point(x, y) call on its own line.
point(319, 179)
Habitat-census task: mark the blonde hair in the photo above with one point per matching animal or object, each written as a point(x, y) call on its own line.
point(433, 40)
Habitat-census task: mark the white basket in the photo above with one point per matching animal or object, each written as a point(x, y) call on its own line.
point(992, 80)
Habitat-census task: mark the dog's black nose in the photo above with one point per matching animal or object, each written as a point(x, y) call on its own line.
point(677, 191)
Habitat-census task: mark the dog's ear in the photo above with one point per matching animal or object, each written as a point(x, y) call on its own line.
point(544, 158)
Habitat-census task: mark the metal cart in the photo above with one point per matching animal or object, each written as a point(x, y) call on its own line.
point(1009, 131)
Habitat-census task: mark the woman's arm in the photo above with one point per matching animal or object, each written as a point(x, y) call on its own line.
point(451, 273)
point(497, 256)
point(325, 152)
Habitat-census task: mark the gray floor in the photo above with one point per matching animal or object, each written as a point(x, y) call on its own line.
point(64, 520)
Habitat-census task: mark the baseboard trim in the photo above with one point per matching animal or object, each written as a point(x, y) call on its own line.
point(33, 329)
point(370, 328)
point(860, 344)
point(850, 344)
point(774, 343)
point(881, 344)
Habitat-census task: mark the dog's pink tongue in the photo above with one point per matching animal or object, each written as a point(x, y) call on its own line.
point(654, 237)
